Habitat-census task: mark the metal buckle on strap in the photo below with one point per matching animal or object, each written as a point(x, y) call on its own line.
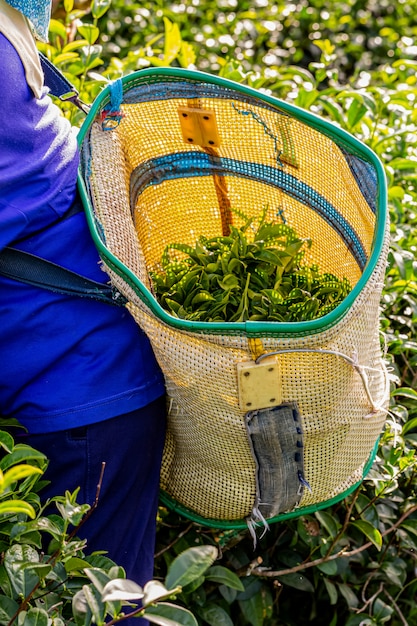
point(73, 96)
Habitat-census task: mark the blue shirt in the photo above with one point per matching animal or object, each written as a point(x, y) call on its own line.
point(64, 361)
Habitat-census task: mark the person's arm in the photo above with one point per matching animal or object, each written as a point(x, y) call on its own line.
point(38, 154)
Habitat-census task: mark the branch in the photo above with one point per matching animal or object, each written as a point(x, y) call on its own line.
point(169, 546)
point(260, 571)
point(89, 512)
point(371, 599)
point(396, 607)
point(345, 523)
point(120, 618)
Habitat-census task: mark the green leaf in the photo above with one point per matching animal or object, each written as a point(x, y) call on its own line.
point(15, 507)
point(367, 509)
point(252, 585)
point(8, 608)
point(404, 392)
point(334, 619)
point(298, 581)
point(194, 585)
point(99, 579)
point(154, 591)
point(95, 603)
point(122, 589)
point(325, 45)
point(17, 473)
point(215, 615)
point(41, 569)
point(5, 584)
point(187, 55)
point(58, 28)
point(223, 576)
point(410, 425)
point(75, 564)
point(396, 192)
point(90, 33)
point(36, 617)
point(256, 608)
point(349, 596)
point(45, 524)
point(369, 531)
point(331, 590)
point(332, 108)
point(80, 609)
point(66, 57)
point(306, 98)
point(21, 454)
point(356, 112)
point(410, 525)
point(6, 441)
point(70, 510)
point(17, 562)
point(395, 572)
point(382, 611)
point(189, 565)
point(328, 521)
point(202, 296)
point(73, 45)
point(360, 620)
point(173, 41)
point(100, 7)
point(166, 614)
point(328, 567)
point(401, 163)
point(228, 594)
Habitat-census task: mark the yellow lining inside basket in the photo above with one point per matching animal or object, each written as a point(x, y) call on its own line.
point(180, 209)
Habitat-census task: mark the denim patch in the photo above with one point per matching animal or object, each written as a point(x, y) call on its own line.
point(276, 439)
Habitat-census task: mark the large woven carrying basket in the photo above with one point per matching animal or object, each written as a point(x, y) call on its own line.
point(165, 155)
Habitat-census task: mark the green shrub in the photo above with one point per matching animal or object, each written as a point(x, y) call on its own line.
point(47, 576)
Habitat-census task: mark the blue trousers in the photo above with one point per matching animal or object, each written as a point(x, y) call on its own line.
point(124, 522)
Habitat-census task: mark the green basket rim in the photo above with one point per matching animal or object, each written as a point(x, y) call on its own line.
point(249, 328)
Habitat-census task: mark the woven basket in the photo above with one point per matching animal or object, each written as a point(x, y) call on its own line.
point(165, 155)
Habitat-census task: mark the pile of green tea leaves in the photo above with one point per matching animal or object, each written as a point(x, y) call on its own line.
point(255, 274)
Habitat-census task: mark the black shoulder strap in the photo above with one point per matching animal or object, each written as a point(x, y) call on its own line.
point(33, 270)
point(59, 85)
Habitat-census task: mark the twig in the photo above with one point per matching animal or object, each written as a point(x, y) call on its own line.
point(134, 613)
point(372, 598)
point(411, 554)
point(89, 512)
point(174, 541)
point(396, 607)
point(345, 523)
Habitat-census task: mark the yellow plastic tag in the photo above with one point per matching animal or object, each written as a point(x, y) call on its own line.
point(199, 126)
point(259, 386)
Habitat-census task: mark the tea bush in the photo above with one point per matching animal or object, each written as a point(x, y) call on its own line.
point(353, 62)
point(46, 575)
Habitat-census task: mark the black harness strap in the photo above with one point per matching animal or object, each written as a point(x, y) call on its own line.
point(59, 85)
point(33, 270)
